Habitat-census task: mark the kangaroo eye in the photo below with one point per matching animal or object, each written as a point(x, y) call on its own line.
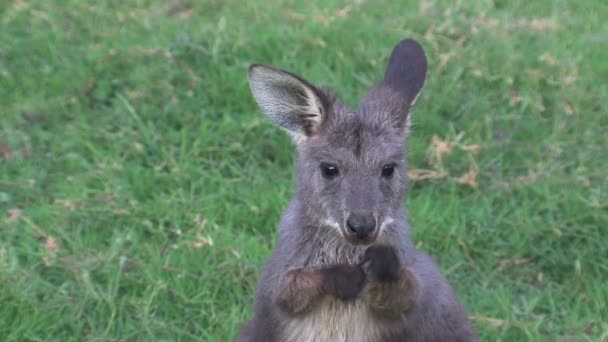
point(388, 170)
point(329, 170)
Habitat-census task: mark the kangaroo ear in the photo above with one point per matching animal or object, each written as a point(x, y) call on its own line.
point(288, 100)
point(403, 80)
point(406, 70)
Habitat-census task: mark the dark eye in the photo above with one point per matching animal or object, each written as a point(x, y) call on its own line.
point(388, 170)
point(329, 170)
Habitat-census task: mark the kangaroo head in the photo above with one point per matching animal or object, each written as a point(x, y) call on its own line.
point(351, 167)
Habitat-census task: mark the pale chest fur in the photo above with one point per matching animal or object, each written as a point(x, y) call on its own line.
point(335, 321)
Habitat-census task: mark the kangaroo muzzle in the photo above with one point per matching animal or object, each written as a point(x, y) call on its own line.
point(361, 226)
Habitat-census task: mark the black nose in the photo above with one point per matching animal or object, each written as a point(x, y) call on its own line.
point(361, 224)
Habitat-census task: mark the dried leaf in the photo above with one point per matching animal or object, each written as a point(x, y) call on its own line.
point(439, 148)
point(424, 7)
point(513, 262)
point(342, 13)
point(13, 215)
point(12, 12)
point(569, 108)
point(527, 179)
point(294, 15)
point(495, 322)
point(542, 24)
point(235, 253)
point(51, 245)
point(181, 10)
point(26, 151)
point(120, 212)
point(200, 240)
point(487, 23)
point(515, 99)
point(69, 204)
point(568, 80)
point(33, 117)
point(584, 180)
point(5, 152)
point(103, 197)
point(469, 178)
point(548, 58)
point(46, 261)
point(470, 148)
point(423, 174)
point(443, 61)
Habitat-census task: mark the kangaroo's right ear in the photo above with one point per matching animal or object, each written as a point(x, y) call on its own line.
point(288, 100)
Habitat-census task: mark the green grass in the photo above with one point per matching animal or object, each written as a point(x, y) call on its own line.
point(129, 141)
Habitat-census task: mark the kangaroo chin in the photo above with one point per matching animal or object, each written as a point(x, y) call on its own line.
point(345, 267)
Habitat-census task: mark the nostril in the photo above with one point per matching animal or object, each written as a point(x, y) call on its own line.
point(351, 227)
point(370, 227)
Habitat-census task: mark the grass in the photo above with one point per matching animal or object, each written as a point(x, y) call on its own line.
point(140, 188)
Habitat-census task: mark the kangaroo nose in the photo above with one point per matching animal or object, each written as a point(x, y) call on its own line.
point(361, 224)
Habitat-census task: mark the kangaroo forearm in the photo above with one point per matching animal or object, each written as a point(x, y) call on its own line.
point(392, 298)
point(298, 289)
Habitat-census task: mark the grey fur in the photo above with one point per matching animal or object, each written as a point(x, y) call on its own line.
point(294, 299)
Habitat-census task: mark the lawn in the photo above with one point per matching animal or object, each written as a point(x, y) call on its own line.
point(141, 188)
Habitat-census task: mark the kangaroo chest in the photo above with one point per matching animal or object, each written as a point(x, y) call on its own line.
point(333, 320)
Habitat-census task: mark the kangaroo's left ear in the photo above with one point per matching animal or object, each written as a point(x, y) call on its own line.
point(402, 83)
point(288, 100)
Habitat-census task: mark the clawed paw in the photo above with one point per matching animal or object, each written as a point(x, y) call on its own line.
point(382, 263)
point(343, 281)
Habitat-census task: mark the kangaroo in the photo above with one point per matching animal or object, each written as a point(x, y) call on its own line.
point(345, 267)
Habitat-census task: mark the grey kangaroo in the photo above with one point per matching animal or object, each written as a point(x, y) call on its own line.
point(345, 267)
